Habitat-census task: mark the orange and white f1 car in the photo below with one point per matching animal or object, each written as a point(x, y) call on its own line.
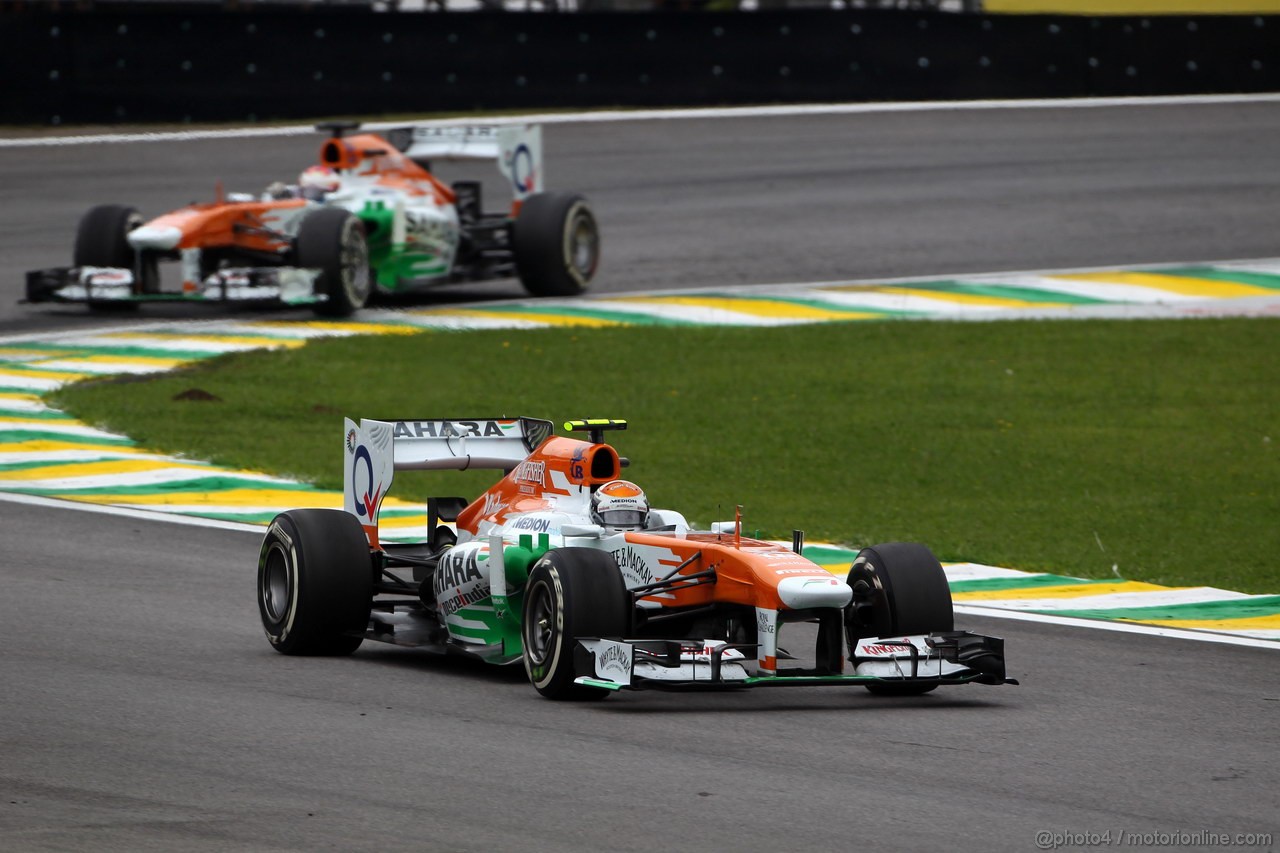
point(368, 217)
point(528, 571)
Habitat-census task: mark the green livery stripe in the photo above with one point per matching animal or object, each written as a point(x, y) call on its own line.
point(587, 681)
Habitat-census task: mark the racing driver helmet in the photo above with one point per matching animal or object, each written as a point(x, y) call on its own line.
point(316, 182)
point(620, 505)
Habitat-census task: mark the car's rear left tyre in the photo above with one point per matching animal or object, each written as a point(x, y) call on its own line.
point(332, 240)
point(556, 244)
point(102, 241)
point(898, 589)
point(571, 593)
point(315, 582)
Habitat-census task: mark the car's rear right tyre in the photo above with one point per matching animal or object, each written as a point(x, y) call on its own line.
point(571, 593)
point(315, 582)
point(556, 244)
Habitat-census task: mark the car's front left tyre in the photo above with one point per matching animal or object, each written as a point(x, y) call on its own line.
point(315, 582)
point(332, 240)
point(571, 593)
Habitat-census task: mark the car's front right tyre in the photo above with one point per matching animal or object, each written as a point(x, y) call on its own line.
point(899, 589)
point(571, 593)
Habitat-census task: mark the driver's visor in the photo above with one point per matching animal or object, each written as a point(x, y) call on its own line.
point(629, 519)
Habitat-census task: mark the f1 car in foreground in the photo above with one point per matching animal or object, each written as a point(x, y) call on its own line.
point(537, 569)
point(370, 216)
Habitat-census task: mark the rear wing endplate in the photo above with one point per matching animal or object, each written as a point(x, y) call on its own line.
point(374, 450)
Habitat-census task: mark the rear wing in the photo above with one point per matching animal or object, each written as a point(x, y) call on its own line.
point(517, 148)
point(374, 450)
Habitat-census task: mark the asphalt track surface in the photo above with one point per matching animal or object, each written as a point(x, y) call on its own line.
point(142, 708)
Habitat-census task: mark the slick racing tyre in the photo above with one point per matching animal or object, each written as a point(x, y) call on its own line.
point(571, 593)
point(315, 582)
point(332, 240)
point(556, 244)
point(898, 589)
point(102, 241)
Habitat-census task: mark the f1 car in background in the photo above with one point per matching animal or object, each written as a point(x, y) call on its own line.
point(369, 217)
point(535, 570)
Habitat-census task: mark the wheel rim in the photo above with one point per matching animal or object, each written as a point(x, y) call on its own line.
point(275, 585)
point(354, 255)
point(583, 244)
point(869, 604)
point(539, 625)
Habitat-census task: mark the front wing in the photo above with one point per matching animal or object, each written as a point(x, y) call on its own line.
point(951, 657)
point(116, 285)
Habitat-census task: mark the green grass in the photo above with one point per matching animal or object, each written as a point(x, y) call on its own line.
point(1147, 448)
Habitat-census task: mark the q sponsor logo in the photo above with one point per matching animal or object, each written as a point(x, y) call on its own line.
point(367, 503)
point(764, 624)
point(351, 441)
point(523, 176)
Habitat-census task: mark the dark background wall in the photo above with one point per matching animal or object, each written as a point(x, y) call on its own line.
point(198, 64)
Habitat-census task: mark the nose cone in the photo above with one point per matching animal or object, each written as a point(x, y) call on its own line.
point(800, 593)
point(155, 237)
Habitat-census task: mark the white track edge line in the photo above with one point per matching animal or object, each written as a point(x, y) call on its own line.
point(1123, 627)
point(126, 512)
